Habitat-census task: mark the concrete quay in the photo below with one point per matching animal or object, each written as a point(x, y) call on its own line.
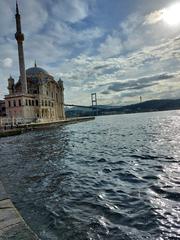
point(31, 126)
point(12, 225)
point(60, 122)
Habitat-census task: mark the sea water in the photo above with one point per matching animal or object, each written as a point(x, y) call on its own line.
point(117, 177)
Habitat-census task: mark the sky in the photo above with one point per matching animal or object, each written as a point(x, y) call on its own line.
point(119, 49)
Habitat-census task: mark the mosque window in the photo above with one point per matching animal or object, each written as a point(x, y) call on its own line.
point(47, 93)
point(52, 104)
point(32, 102)
point(29, 102)
point(9, 102)
point(14, 103)
point(42, 103)
point(45, 103)
point(26, 102)
point(20, 102)
point(37, 103)
point(49, 103)
point(52, 94)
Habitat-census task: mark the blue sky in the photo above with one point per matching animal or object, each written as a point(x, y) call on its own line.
point(120, 49)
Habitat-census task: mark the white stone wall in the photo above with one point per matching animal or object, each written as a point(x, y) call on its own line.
point(50, 105)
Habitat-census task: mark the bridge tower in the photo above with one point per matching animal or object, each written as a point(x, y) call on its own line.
point(94, 102)
point(140, 99)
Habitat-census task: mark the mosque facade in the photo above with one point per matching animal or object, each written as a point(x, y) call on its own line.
point(36, 96)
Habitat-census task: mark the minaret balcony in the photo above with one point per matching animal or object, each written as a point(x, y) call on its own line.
point(19, 37)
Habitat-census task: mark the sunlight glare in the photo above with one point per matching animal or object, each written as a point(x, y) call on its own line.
point(171, 15)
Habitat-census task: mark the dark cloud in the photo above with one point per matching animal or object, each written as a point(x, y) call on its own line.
point(140, 83)
point(101, 67)
point(105, 92)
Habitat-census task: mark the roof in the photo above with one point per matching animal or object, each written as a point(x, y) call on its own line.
point(35, 71)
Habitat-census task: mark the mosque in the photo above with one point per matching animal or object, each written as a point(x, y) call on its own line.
point(36, 96)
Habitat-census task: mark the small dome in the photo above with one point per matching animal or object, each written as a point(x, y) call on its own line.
point(35, 71)
point(11, 78)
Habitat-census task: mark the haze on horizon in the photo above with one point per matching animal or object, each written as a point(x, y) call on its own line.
point(119, 49)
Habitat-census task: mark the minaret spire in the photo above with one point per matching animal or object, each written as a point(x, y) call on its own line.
point(20, 38)
point(17, 8)
point(35, 64)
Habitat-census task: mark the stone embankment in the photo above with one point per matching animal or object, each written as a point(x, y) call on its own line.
point(28, 127)
point(12, 225)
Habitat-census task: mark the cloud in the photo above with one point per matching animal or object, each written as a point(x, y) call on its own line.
point(140, 83)
point(105, 66)
point(70, 42)
point(142, 62)
point(64, 34)
point(33, 12)
point(96, 74)
point(128, 37)
point(170, 15)
point(105, 92)
point(111, 47)
point(71, 11)
point(154, 17)
point(6, 18)
point(92, 73)
point(7, 62)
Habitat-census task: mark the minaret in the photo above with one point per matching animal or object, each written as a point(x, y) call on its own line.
point(20, 38)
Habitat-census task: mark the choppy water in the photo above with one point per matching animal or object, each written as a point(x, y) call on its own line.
point(114, 178)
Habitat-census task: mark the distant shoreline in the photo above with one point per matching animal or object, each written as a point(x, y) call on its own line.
point(148, 106)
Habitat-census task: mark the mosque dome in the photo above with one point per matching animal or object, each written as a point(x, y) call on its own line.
point(36, 71)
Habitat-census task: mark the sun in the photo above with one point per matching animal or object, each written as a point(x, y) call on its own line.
point(171, 15)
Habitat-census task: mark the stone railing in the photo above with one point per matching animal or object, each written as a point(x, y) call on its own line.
point(13, 122)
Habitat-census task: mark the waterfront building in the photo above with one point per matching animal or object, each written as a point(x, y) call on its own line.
point(36, 96)
point(2, 108)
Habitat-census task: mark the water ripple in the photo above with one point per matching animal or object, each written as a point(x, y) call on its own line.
point(117, 177)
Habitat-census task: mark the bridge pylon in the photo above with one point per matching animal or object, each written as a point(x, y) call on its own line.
point(94, 102)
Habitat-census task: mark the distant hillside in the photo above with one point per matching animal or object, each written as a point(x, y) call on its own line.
point(148, 106)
